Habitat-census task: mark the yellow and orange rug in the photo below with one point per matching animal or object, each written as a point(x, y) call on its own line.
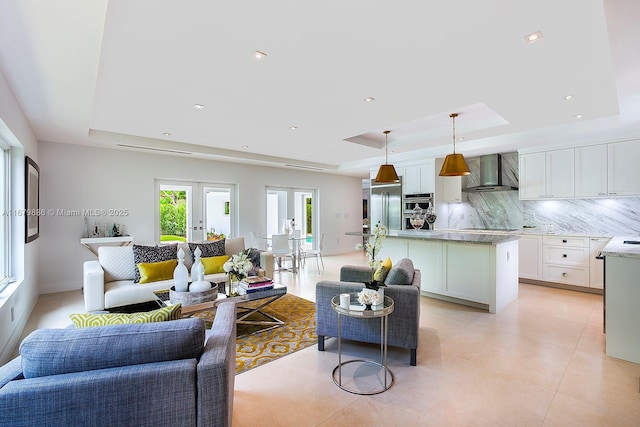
point(298, 332)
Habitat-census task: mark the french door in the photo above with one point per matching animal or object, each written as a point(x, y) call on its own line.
point(192, 211)
point(285, 204)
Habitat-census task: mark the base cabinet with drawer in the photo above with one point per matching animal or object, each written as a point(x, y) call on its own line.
point(565, 259)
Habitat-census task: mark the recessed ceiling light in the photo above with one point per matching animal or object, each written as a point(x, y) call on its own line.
point(257, 55)
point(198, 107)
point(578, 116)
point(166, 133)
point(293, 127)
point(533, 37)
point(369, 99)
point(568, 97)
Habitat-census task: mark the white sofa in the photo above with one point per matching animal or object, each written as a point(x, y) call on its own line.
point(109, 281)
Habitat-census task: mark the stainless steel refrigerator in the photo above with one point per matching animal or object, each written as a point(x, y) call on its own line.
point(386, 205)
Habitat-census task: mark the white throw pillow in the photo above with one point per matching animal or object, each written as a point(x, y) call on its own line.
point(117, 262)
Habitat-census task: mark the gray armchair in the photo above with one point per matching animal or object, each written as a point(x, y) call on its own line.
point(403, 286)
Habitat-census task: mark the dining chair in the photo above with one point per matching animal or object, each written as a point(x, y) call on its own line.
point(280, 249)
point(304, 254)
point(257, 242)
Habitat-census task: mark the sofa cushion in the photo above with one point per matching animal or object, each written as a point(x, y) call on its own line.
point(209, 249)
point(382, 271)
point(87, 320)
point(156, 271)
point(152, 254)
point(401, 273)
point(234, 246)
point(59, 351)
point(117, 262)
point(214, 264)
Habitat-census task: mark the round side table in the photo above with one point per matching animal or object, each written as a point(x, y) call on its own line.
point(357, 310)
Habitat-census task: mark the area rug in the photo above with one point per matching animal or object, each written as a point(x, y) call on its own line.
point(298, 332)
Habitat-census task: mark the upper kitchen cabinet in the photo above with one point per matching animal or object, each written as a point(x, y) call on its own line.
point(547, 175)
point(623, 171)
point(591, 171)
point(418, 179)
point(448, 189)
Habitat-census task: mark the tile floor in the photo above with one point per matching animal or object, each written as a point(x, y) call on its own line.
point(539, 362)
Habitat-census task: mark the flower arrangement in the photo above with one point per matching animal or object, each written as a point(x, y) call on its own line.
point(369, 297)
point(212, 235)
point(238, 266)
point(374, 245)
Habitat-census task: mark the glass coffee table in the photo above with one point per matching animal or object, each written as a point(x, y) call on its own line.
point(383, 375)
point(262, 298)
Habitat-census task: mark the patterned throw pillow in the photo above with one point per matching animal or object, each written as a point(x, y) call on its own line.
point(214, 264)
point(87, 320)
point(157, 271)
point(152, 254)
point(209, 249)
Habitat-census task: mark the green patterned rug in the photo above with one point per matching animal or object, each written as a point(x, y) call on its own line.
point(262, 347)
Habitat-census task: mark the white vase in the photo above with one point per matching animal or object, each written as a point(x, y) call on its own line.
point(199, 286)
point(181, 274)
point(197, 270)
point(381, 294)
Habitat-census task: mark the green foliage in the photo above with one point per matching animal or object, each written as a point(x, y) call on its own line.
point(173, 213)
point(172, 238)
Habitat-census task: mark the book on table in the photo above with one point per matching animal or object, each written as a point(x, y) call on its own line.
point(244, 288)
point(256, 281)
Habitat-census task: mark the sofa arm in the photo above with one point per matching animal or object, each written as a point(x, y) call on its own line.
point(217, 370)
point(356, 273)
point(93, 285)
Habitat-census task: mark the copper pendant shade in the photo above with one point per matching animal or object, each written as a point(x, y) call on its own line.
point(454, 164)
point(386, 173)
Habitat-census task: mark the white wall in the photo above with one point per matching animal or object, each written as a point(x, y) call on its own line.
point(76, 178)
point(18, 299)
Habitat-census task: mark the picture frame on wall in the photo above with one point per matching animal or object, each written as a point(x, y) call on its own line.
point(32, 200)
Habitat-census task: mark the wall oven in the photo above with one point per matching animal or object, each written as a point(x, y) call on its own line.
point(409, 201)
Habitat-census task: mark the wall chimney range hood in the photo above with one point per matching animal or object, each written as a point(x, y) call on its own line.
point(490, 175)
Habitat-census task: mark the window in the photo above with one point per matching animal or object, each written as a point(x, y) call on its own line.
point(5, 215)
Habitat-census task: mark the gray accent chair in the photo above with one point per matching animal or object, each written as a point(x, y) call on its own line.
point(403, 286)
point(173, 373)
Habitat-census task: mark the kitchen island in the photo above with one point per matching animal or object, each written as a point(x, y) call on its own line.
point(480, 270)
point(622, 293)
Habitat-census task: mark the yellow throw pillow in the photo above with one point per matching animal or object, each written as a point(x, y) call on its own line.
point(213, 264)
point(381, 272)
point(86, 320)
point(156, 271)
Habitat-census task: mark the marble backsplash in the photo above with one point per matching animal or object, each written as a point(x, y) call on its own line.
point(504, 209)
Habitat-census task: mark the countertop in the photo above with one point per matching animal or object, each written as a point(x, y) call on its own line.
point(458, 236)
point(617, 247)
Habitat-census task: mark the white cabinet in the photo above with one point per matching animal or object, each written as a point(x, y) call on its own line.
point(532, 175)
point(427, 257)
point(559, 173)
point(530, 257)
point(467, 272)
point(418, 179)
point(623, 172)
point(596, 266)
point(565, 259)
point(547, 175)
point(448, 188)
point(591, 171)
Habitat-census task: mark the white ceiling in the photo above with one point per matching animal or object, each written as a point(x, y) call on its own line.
point(123, 72)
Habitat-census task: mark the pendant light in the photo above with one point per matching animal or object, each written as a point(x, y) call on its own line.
point(386, 173)
point(454, 164)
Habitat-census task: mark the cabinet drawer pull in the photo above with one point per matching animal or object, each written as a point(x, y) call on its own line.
point(564, 240)
point(565, 274)
point(564, 255)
